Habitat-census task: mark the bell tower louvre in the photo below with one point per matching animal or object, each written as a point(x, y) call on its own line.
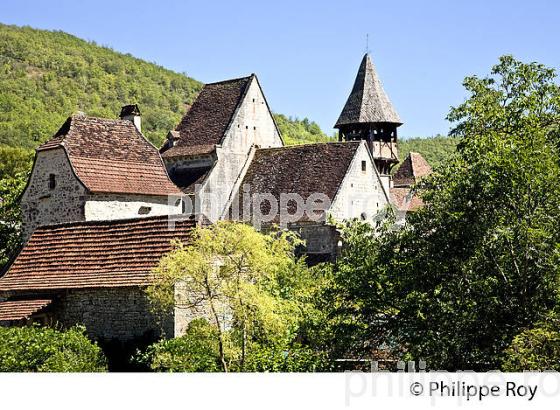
point(369, 115)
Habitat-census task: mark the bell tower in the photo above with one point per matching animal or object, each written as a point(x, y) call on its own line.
point(369, 115)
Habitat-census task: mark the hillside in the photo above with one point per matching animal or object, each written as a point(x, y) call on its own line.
point(45, 76)
point(296, 131)
point(434, 149)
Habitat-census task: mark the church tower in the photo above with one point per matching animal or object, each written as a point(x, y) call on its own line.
point(369, 115)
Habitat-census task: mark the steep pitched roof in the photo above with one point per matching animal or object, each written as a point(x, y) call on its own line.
point(112, 156)
point(411, 170)
point(93, 254)
point(204, 125)
point(299, 169)
point(367, 102)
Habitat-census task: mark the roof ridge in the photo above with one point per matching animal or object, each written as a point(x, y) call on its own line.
point(98, 222)
point(312, 143)
point(231, 80)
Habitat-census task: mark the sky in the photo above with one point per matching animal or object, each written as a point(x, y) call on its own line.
point(306, 53)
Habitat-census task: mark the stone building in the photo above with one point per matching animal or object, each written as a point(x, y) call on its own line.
point(100, 199)
point(97, 169)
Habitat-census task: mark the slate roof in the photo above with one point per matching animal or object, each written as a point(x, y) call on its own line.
point(112, 156)
point(368, 102)
point(21, 309)
point(93, 254)
point(204, 125)
point(299, 169)
point(412, 169)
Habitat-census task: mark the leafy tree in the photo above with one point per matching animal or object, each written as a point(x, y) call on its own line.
point(195, 351)
point(480, 262)
point(248, 284)
point(535, 349)
point(15, 165)
point(37, 349)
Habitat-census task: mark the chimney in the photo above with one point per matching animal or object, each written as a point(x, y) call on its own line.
point(132, 113)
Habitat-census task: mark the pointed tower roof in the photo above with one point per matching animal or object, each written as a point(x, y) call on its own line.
point(367, 102)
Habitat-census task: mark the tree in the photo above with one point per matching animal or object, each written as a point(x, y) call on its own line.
point(15, 165)
point(249, 285)
point(535, 349)
point(37, 349)
point(480, 262)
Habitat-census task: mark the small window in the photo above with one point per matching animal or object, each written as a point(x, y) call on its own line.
point(52, 181)
point(246, 127)
point(253, 100)
point(144, 210)
point(363, 166)
point(254, 128)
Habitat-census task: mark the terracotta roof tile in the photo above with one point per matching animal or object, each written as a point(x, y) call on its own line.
point(112, 156)
point(93, 254)
point(204, 125)
point(21, 309)
point(412, 169)
point(405, 199)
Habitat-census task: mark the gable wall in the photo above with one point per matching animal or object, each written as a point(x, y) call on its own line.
point(252, 125)
point(41, 205)
point(360, 192)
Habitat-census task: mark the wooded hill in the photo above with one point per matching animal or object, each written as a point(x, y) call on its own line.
point(47, 75)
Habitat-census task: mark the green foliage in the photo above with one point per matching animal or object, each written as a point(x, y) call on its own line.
point(36, 349)
point(479, 263)
point(45, 76)
point(195, 351)
point(535, 349)
point(295, 131)
point(436, 150)
point(15, 165)
point(295, 358)
point(253, 288)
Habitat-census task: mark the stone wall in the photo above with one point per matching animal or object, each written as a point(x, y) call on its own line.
point(42, 205)
point(253, 125)
point(114, 206)
point(361, 194)
point(108, 313)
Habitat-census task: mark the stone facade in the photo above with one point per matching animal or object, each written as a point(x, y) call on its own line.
point(363, 192)
point(110, 313)
point(43, 204)
point(55, 195)
point(252, 126)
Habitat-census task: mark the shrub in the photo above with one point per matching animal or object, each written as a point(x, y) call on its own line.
point(534, 349)
point(296, 358)
point(195, 351)
point(38, 349)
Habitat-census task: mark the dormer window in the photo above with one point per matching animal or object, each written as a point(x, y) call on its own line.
point(52, 181)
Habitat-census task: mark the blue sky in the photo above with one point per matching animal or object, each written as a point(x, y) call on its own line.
point(306, 53)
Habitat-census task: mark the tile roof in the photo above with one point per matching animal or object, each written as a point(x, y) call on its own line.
point(368, 102)
point(93, 254)
point(112, 156)
point(412, 169)
point(299, 169)
point(208, 119)
point(21, 309)
point(406, 199)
